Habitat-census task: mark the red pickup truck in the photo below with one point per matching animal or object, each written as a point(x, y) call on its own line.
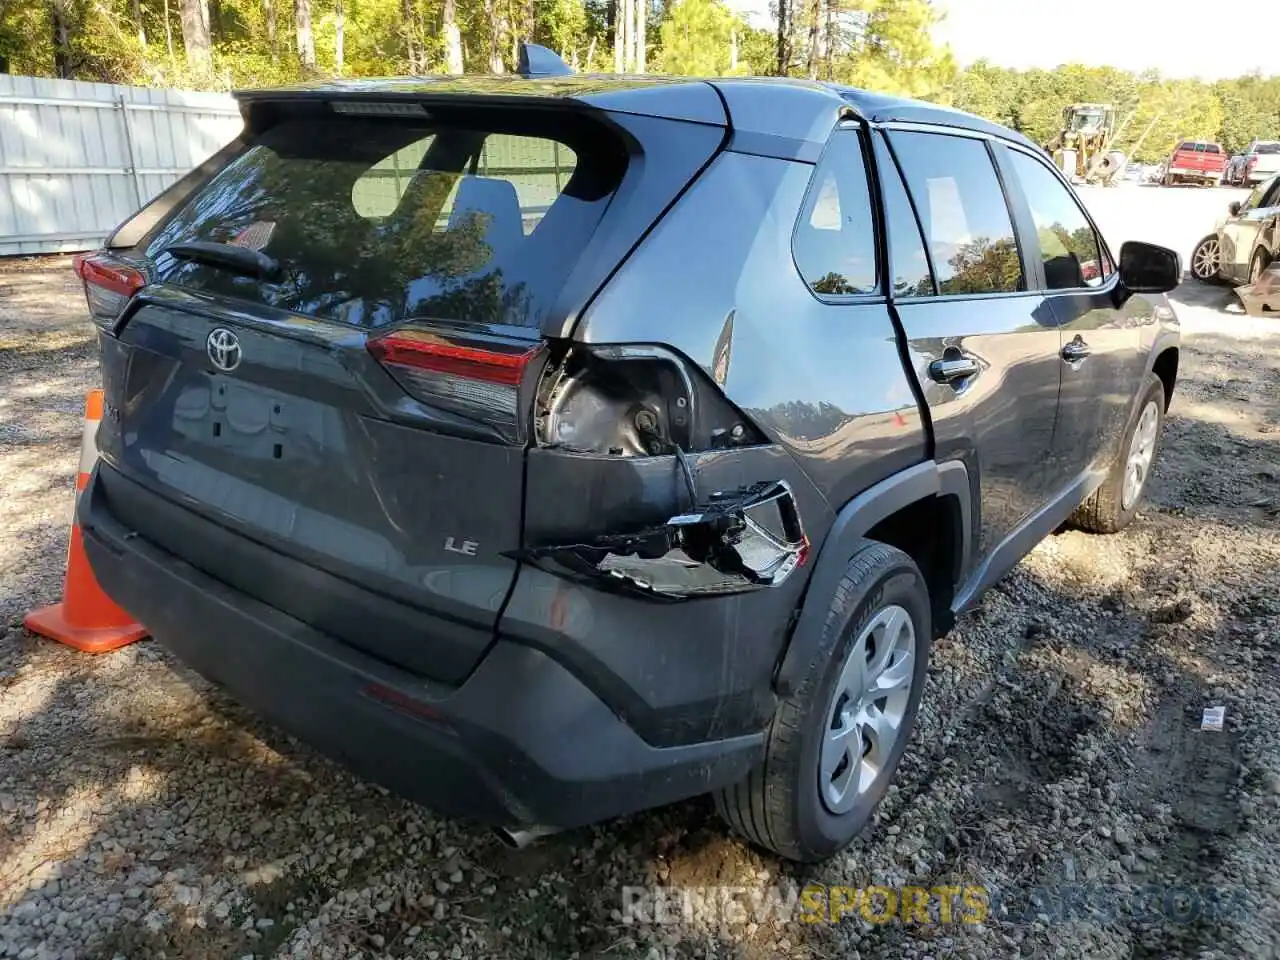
point(1195, 161)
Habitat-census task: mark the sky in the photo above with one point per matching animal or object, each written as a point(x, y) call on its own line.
point(1130, 34)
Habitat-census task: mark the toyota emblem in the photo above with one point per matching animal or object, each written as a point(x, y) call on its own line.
point(223, 348)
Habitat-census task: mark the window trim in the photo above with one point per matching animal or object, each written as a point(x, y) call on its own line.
point(881, 143)
point(990, 141)
point(1104, 251)
point(877, 219)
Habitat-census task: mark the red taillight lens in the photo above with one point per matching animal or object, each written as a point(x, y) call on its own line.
point(478, 381)
point(109, 284)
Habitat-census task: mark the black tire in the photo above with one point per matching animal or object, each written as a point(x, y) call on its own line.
point(779, 805)
point(1104, 510)
point(1258, 265)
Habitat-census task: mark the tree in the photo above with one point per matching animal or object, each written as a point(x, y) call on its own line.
point(62, 22)
point(269, 15)
point(302, 27)
point(452, 37)
point(642, 17)
point(196, 42)
point(339, 28)
point(815, 37)
point(620, 36)
point(497, 31)
point(136, 9)
point(783, 64)
point(697, 38)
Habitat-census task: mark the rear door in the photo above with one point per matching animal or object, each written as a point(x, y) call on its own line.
point(983, 342)
point(356, 412)
point(1102, 362)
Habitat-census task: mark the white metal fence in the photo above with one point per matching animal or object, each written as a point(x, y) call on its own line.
point(78, 158)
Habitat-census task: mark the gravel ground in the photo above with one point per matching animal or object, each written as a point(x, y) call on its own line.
point(143, 814)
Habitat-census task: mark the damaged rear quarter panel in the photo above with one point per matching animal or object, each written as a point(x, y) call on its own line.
point(717, 281)
point(677, 672)
point(825, 383)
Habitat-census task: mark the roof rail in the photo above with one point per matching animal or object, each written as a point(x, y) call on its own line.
point(538, 61)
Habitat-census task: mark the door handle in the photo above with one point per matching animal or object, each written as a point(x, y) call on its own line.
point(952, 369)
point(1075, 351)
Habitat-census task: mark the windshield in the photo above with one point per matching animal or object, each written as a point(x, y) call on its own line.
point(1254, 199)
point(1087, 121)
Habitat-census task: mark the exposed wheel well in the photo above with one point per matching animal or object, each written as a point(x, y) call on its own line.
point(1166, 368)
point(929, 531)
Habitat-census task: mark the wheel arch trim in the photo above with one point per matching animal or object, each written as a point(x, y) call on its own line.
point(853, 521)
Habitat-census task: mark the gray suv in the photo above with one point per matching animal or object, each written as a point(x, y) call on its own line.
point(549, 448)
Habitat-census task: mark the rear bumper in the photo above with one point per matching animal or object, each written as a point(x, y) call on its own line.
point(521, 741)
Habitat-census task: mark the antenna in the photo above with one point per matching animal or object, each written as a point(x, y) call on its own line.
point(538, 61)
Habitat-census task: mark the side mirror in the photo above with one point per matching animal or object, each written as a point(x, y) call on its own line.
point(1233, 208)
point(1148, 268)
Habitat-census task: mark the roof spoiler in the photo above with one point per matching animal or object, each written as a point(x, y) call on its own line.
point(538, 61)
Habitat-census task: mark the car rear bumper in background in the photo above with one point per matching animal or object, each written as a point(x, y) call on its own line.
point(520, 742)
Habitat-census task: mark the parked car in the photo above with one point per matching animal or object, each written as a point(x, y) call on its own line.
point(1245, 242)
point(1195, 161)
point(1261, 162)
point(1235, 172)
point(548, 449)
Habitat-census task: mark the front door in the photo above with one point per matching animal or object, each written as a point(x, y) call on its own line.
point(983, 342)
point(1101, 358)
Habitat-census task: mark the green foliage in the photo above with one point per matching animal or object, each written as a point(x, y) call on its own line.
point(697, 39)
point(26, 37)
point(893, 51)
point(882, 45)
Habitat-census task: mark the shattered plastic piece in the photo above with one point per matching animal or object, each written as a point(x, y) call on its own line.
point(1213, 718)
point(1262, 298)
point(738, 540)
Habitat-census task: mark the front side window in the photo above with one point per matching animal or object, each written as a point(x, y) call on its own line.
point(835, 240)
point(1069, 248)
point(963, 211)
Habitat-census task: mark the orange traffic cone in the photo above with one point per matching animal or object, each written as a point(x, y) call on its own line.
point(86, 618)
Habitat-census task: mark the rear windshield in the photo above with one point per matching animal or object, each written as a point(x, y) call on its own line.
point(1200, 147)
point(378, 221)
point(1272, 147)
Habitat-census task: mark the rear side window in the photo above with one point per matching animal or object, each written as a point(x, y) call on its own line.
point(1069, 247)
point(374, 222)
point(835, 240)
point(963, 211)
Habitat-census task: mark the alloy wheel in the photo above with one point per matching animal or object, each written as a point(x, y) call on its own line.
point(1142, 450)
point(1204, 262)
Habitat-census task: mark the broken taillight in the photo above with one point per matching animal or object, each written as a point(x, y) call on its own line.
point(479, 380)
point(109, 284)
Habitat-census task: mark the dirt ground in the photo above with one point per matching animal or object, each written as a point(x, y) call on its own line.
point(143, 814)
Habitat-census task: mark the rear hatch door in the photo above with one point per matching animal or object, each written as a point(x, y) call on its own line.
point(1266, 160)
point(332, 359)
